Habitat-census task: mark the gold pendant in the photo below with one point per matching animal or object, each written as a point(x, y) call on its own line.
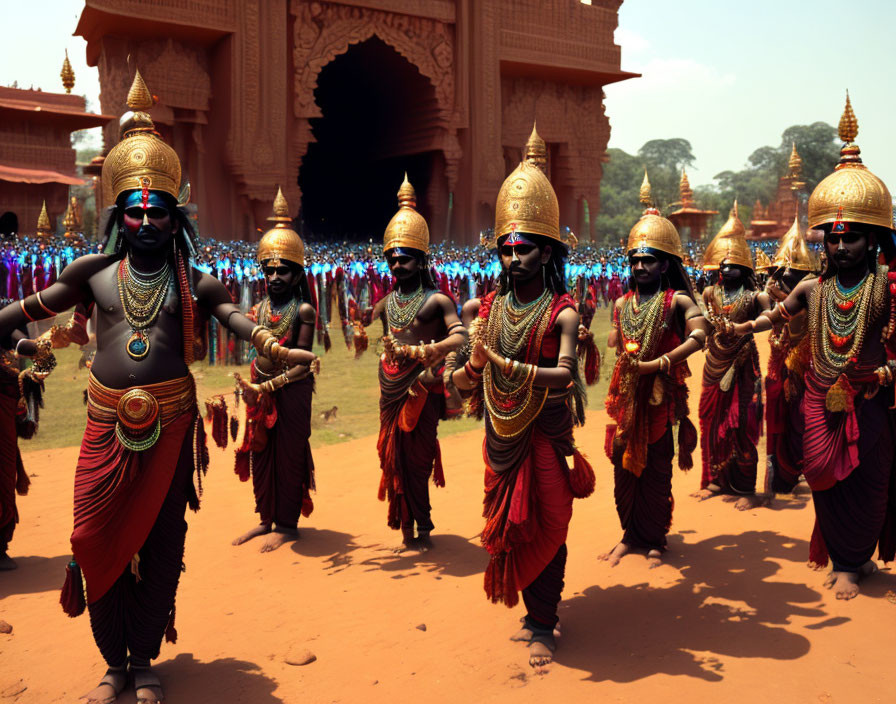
point(138, 345)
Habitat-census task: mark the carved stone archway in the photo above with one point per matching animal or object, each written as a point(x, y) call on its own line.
point(324, 31)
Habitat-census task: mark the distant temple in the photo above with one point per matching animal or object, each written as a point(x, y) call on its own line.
point(772, 221)
point(334, 101)
point(37, 161)
point(689, 220)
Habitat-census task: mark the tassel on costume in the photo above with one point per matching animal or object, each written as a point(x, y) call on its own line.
point(438, 471)
point(327, 343)
point(360, 340)
point(413, 406)
point(72, 596)
point(687, 443)
point(234, 427)
point(818, 551)
point(216, 412)
point(170, 630)
point(588, 350)
point(581, 476)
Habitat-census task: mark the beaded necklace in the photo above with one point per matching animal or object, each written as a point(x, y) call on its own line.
point(141, 297)
point(638, 323)
point(519, 319)
point(841, 321)
point(402, 308)
point(277, 321)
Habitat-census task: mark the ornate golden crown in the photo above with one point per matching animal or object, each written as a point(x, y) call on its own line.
point(281, 242)
point(141, 158)
point(729, 245)
point(407, 228)
point(862, 195)
point(653, 230)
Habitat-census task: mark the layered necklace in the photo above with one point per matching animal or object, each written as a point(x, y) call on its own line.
point(844, 316)
point(277, 320)
point(512, 327)
point(638, 322)
point(142, 296)
point(729, 299)
point(402, 308)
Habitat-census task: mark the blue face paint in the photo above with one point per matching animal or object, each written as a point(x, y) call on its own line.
point(154, 200)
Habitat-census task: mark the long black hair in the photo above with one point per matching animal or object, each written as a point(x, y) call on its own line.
point(554, 268)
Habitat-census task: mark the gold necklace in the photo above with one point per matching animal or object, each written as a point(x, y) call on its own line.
point(638, 324)
point(285, 317)
point(141, 298)
point(402, 309)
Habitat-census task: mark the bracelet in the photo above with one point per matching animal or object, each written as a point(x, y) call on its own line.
point(41, 304)
point(266, 346)
point(27, 314)
point(471, 372)
point(784, 312)
point(665, 363)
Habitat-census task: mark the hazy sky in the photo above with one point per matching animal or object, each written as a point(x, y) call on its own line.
point(728, 75)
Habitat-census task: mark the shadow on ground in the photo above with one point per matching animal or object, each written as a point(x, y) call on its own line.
point(725, 604)
point(451, 555)
point(185, 679)
point(35, 574)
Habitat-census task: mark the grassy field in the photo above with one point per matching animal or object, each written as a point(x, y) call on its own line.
point(347, 383)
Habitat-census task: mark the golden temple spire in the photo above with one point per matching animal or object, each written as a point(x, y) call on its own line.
point(644, 194)
point(43, 221)
point(536, 152)
point(685, 193)
point(67, 74)
point(280, 214)
point(795, 163)
point(139, 97)
point(69, 219)
point(407, 196)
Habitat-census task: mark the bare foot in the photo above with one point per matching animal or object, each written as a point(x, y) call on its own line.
point(654, 558)
point(276, 538)
point(707, 493)
point(261, 529)
point(829, 579)
point(541, 652)
point(747, 503)
point(6, 562)
point(147, 685)
point(846, 585)
point(524, 635)
point(107, 691)
point(616, 554)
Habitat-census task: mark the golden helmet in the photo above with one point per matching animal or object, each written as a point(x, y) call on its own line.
point(141, 159)
point(763, 263)
point(794, 252)
point(653, 230)
point(729, 245)
point(407, 228)
point(863, 197)
point(281, 242)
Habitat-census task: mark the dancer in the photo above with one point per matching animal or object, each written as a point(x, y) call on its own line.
point(731, 399)
point(787, 365)
point(523, 378)
point(412, 393)
point(847, 444)
point(657, 325)
point(276, 450)
point(144, 440)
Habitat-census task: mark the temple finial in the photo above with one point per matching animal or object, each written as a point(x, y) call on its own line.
point(67, 74)
point(685, 193)
point(43, 220)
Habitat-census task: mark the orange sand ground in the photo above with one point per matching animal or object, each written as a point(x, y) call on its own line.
point(734, 615)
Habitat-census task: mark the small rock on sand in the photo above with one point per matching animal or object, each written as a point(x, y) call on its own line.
point(5, 627)
point(421, 627)
point(299, 656)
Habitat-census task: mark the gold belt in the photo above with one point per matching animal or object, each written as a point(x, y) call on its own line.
point(140, 412)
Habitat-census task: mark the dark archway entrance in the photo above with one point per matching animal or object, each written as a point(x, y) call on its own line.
point(374, 104)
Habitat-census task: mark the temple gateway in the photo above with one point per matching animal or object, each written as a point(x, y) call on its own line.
point(334, 101)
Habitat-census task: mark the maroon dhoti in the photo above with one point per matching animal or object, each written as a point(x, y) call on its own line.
point(13, 479)
point(281, 464)
point(129, 527)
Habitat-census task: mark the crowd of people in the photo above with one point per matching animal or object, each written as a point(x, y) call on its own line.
point(509, 342)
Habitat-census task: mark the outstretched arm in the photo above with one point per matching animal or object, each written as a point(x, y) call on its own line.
point(69, 289)
point(782, 312)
